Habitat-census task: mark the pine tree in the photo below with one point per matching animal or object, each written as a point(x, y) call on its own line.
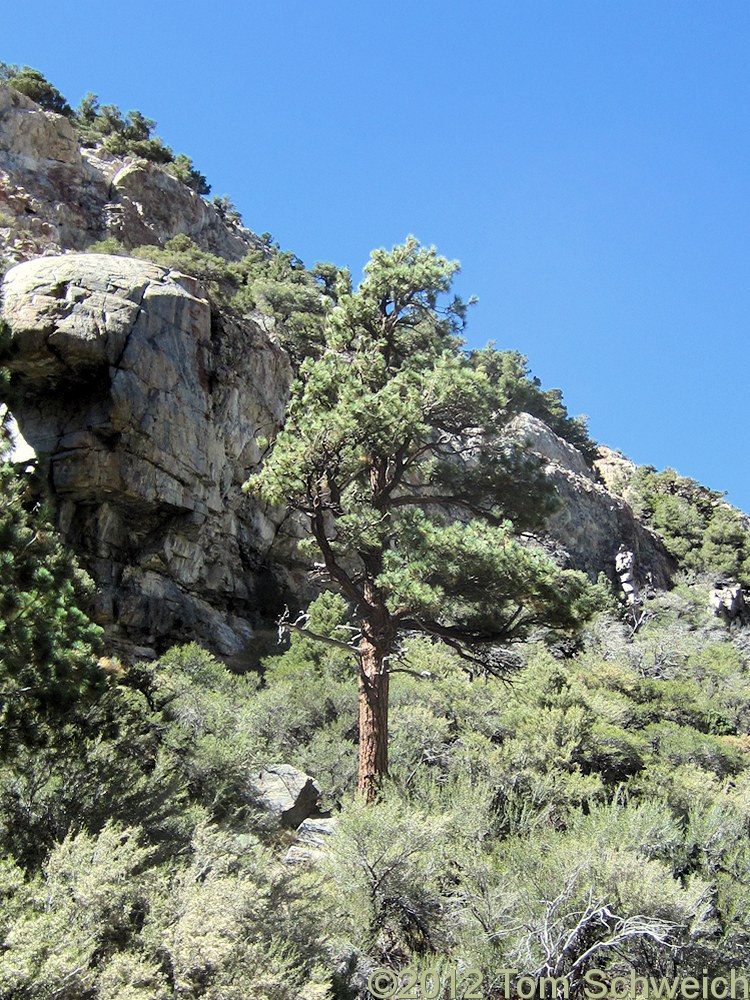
point(47, 643)
point(393, 451)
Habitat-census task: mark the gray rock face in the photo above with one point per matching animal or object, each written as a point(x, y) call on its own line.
point(289, 795)
point(147, 417)
point(55, 196)
point(727, 601)
point(310, 840)
point(615, 469)
point(591, 523)
point(556, 451)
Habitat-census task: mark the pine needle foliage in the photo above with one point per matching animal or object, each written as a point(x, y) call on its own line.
point(47, 642)
point(393, 450)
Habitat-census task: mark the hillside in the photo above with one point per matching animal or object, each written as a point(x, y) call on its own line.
point(127, 331)
point(567, 782)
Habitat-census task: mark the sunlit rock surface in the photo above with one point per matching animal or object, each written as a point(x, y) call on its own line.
point(146, 416)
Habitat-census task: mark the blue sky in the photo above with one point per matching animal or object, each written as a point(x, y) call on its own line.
point(587, 162)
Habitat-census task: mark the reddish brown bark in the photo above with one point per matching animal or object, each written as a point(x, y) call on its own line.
point(373, 720)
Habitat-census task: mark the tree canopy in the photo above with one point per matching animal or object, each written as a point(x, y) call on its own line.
point(393, 449)
point(33, 84)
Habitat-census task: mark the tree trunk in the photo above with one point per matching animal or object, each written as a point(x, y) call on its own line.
point(373, 720)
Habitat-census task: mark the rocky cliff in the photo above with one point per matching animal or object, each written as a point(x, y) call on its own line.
point(145, 415)
point(56, 196)
point(592, 521)
point(143, 407)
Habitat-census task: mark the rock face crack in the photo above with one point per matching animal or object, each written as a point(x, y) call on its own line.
point(128, 336)
point(59, 356)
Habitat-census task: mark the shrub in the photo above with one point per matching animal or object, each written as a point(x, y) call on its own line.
point(182, 254)
point(702, 533)
point(182, 168)
point(47, 642)
point(201, 704)
point(109, 245)
point(589, 895)
point(523, 392)
point(90, 901)
point(383, 877)
point(33, 84)
point(226, 208)
point(111, 762)
point(123, 135)
point(234, 924)
point(683, 745)
point(295, 300)
point(725, 549)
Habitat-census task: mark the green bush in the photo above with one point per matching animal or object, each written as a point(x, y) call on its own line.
point(128, 134)
point(523, 392)
point(48, 645)
point(593, 891)
point(181, 254)
point(725, 549)
point(183, 169)
point(89, 902)
point(112, 762)
point(233, 925)
point(384, 873)
point(109, 245)
point(33, 84)
point(295, 301)
point(702, 533)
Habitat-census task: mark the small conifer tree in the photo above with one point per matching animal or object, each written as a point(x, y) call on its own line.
point(47, 642)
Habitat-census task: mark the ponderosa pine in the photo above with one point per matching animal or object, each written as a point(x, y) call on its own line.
point(393, 451)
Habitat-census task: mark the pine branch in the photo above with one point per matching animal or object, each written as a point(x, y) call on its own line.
point(299, 626)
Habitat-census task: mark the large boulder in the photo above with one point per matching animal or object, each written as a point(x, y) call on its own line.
point(55, 195)
point(148, 205)
point(615, 470)
point(287, 794)
point(310, 839)
point(29, 134)
point(727, 601)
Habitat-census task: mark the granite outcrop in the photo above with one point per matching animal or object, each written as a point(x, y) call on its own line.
point(56, 195)
point(591, 522)
point(145, 414)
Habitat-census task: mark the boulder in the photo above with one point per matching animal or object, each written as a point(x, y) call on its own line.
point(148, 205)
point(287, 794)
point(310, 840)
point(727, 601)
point(542, 441)
point(29, 134)
point(625, 569)
point(56, 196)
point(591, 522)
point(615, 470)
